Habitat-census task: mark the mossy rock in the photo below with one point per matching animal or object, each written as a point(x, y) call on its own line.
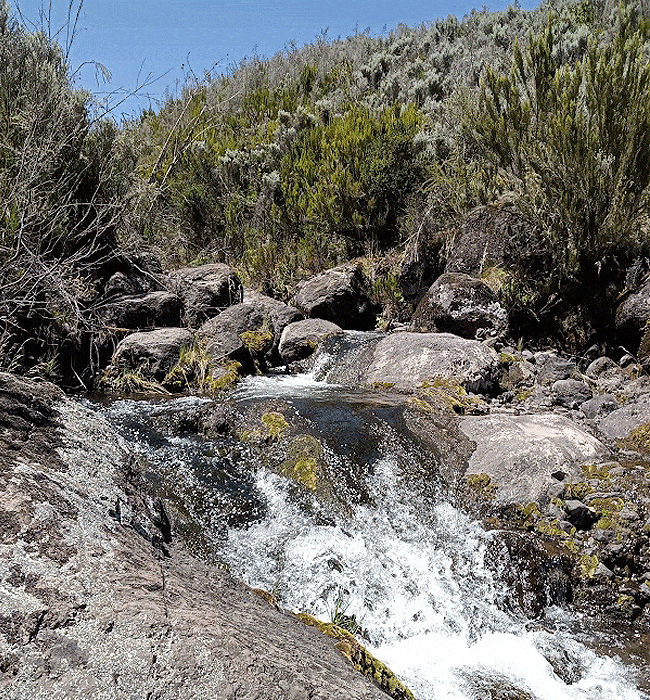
point(305, 462)
point(360, 658)
point(452, 395)
point(481, 485)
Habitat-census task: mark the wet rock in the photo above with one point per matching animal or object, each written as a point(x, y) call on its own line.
point(599, 406)
point(278, 315)
point(570, 393)
point(520, 453)
point(94, 599)
point(300, 339)
point(579, 514)
point(460, 304)
point(339, 295)
point(409, 360)
point(205, 291)
point(139, 312)
point(152, 353)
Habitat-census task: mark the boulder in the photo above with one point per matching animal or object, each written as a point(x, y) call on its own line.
point(133, 276)
point(153, 353)
point(570, 393)
point(300, 339)
point(339, 295)
point(407, 360)
point(600, 405)
point(632, 315)
point(618, 424)
point(249, 332)
point(100, 600)
point(553, 368)
point(205, 291)
point(144, 311)
point(460, 304)
point(521, 454)
point(488, 236)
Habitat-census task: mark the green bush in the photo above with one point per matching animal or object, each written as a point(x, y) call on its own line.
point(573, 140)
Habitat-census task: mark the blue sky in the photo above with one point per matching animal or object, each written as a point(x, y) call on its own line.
point(141, 39)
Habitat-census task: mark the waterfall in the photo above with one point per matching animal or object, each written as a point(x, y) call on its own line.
point(409, 572)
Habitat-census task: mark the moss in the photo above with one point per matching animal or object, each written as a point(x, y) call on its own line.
point(507, 359)
point(482, 486)
point(421, 405)
point(257, 342)
point(197, 370)
point(588, 565)
point(452, 394)
point(382, 385)
point(275, 424)
point(596, 471)
point(304, 463)
point(579, 490)
point(524, 394)
point(638, 439)
point(360, 658)
point(229, 379)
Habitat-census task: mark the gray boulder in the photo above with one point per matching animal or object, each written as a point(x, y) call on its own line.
point(407, 360)
point(632, 315)
point(521, 453)
point(570, 393)
point(600, 405)
point(99, 598)
point(489, 235)
point(619, 423)
point(553, 368)
point(300, 339)
point(249, 332)
point(153, 353)
point(339, 295)
point(205, 290)
point(145, 311)
point(460, 304)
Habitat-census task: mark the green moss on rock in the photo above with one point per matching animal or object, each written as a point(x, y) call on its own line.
point(275, 424)
point(304, 462)
point(360, 658)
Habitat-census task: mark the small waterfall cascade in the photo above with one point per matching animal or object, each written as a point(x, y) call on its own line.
point(404, 568)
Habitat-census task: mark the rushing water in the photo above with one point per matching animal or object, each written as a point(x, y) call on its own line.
point(404, 565)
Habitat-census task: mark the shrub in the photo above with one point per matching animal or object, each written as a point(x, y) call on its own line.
point(573, 139)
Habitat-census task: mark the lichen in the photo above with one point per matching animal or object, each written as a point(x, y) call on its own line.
point(588, 565)
point(360, 658)
point(638, 439)
point(482, 486)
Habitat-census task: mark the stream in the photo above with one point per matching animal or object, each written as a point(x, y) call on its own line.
point(384, 550)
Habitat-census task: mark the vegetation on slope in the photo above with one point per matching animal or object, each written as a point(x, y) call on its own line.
point(358, 147)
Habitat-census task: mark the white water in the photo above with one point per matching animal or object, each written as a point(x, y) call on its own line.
point(414, 575)
point(415, 579)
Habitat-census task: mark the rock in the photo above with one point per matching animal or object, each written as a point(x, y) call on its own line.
point(139, 312)
point(600, 366)
point(570, 393)
point(407, 360)
point(99, 598)
point(487, 237)
point(599, 406)
point(300, 339)
point(632, 315)
point(460, 304)
point(619, 423)
point(152, 353)
point(278, 314)
point(580, 515)
point(249, 332)
point(133, 276)
point(205, 291)
point(552, 368)
point(339, 295)
point(520, 453)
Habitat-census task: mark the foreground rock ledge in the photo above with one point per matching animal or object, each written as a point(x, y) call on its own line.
point(97, 601)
